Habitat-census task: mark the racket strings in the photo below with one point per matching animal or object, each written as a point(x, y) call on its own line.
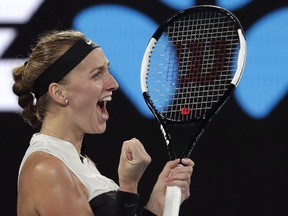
point(192, 65)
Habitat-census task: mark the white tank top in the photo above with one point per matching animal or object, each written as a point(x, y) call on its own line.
point(85, 171)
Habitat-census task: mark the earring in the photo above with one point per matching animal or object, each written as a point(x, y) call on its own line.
point(66, 101)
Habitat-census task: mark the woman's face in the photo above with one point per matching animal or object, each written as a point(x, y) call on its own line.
point(88, 89)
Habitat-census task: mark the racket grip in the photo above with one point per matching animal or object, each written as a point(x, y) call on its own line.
point(172, 201)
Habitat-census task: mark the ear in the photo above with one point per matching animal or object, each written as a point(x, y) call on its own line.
point(55, 93)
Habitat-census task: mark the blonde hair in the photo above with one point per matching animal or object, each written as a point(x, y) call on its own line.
point(47, 50)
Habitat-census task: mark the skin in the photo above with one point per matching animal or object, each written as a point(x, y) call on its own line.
point(45, 181)
point(171, 175)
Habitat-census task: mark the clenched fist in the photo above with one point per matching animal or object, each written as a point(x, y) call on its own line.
point(133, 161)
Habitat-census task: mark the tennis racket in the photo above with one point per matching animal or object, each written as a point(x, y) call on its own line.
point(192, 64)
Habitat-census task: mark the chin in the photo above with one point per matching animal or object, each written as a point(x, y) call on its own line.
point(100, 129)
point(101, 132)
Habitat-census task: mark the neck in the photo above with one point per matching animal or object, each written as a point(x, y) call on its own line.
point(62, 136)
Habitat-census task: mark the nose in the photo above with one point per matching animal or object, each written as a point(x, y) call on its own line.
point(111, 83)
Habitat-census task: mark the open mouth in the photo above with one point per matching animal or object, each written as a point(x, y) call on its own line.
point(102, 106)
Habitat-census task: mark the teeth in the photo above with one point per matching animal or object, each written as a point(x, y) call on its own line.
point(109, 98)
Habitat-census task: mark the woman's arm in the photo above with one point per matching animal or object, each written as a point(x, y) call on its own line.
point(133, 162)
point(47, 187)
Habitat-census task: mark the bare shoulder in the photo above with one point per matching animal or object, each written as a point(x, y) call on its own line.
point(41, 168)
point(47, 182)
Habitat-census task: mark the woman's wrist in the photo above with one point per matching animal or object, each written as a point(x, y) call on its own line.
point(154, 207)
point(128, 187)
point(146, 212)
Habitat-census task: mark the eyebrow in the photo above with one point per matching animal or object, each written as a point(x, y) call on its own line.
point(100, 67)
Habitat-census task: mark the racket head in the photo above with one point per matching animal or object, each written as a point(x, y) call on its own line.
point(192, 63)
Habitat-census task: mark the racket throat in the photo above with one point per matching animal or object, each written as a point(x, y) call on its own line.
point(170, 147)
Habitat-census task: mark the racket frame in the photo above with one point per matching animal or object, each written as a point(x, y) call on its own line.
point(217, 106)
point(173, 193)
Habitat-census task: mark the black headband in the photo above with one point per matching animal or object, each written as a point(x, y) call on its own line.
point(62, 66)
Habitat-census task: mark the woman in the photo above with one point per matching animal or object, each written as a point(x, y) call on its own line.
point(63, 89)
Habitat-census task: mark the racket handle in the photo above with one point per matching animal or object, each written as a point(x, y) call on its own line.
point(172, 201)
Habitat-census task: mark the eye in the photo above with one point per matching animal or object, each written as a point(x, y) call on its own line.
point(96, 75)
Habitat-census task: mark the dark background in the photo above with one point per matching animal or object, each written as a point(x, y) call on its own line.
point(241, 163)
